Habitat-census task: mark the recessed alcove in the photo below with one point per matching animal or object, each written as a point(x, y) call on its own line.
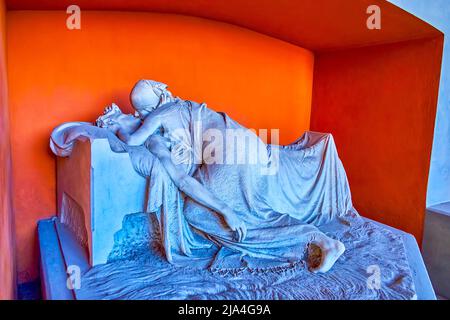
point(291, 65)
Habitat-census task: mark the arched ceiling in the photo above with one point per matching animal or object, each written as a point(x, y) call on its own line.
point(319, 25)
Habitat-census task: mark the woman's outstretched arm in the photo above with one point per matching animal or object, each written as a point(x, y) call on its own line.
point(194, 189)
point(150, 125)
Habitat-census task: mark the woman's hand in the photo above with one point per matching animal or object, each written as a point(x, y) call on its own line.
point(235, 224)
point(157, 141)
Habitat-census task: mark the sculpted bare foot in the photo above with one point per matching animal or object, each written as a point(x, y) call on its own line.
point(323, 253)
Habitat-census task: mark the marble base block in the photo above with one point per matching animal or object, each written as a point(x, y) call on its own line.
point(96, 188)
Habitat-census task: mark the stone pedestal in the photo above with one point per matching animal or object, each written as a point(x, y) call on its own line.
point(436, 247)
point(94, 169)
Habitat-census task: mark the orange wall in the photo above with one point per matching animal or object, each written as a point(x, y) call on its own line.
point(57, 75)
point(7, 272)
point(380, 104)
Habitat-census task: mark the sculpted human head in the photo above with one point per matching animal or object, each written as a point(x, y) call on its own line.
point(147, 95)
point(114, 118)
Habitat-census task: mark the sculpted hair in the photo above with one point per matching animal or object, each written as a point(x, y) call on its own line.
point(107, 119)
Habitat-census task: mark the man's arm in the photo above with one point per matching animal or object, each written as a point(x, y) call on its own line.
point(195, 189)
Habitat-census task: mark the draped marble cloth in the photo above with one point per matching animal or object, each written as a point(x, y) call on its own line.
point(283, 211)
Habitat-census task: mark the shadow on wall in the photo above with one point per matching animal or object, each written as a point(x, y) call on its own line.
point(437, 13)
